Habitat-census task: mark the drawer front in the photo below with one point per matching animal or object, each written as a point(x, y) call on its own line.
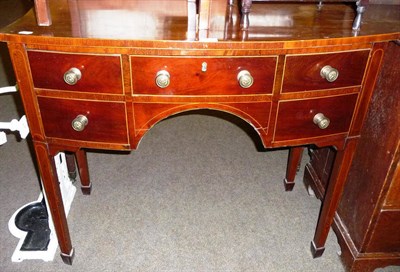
point(303, 72)
point(106, 120)
point(202, 76)
point(295, 118)
point(99, 73)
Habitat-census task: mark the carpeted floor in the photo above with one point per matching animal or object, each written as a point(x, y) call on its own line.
point(195, 196)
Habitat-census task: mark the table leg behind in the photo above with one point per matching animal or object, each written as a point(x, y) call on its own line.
point(81, 159)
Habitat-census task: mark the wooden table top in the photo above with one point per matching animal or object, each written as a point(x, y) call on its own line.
point(168, 20)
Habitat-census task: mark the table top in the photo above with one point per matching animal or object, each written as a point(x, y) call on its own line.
point(175, 20)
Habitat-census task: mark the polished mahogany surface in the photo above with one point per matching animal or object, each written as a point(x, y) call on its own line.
point(156, 20)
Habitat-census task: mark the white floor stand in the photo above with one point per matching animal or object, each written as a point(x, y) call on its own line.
point(68, 192)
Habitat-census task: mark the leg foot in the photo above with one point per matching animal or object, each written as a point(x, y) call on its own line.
point(288, 185)
point(316, 252)
point(72, 173)
point(295, 154)
point(86, 190)
point(68, 258)
point(72, 176)
point(310, 191)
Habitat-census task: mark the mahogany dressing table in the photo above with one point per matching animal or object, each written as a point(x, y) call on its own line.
point(102, 73)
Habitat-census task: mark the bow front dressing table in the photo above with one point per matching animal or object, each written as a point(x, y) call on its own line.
point(100, 74)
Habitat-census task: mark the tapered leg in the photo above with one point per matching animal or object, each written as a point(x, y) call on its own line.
point(332, 197)
point(51, 188)
point(86, 185)
point(295, 154)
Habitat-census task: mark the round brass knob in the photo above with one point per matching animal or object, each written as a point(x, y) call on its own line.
point(329, 73)
point(245, 79)
point(80, 122)
point(162, 79)
point(321, 120)
point(72, 76)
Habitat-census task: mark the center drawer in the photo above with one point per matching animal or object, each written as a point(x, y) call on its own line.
point(94, 121)
point(203, 76)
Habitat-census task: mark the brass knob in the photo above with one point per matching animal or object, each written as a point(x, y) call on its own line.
point(162, 79)
point(72, 76)
point(321, 120)
point(80, 122)
point(245, 79)
point(329, 73)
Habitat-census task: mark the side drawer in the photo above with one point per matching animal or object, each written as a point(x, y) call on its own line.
point(202, 76)
point(99, 73)
point(106, 120)
point(295, 118)
point(303, 72)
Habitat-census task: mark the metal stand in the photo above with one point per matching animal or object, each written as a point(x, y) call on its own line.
point(68, 193)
